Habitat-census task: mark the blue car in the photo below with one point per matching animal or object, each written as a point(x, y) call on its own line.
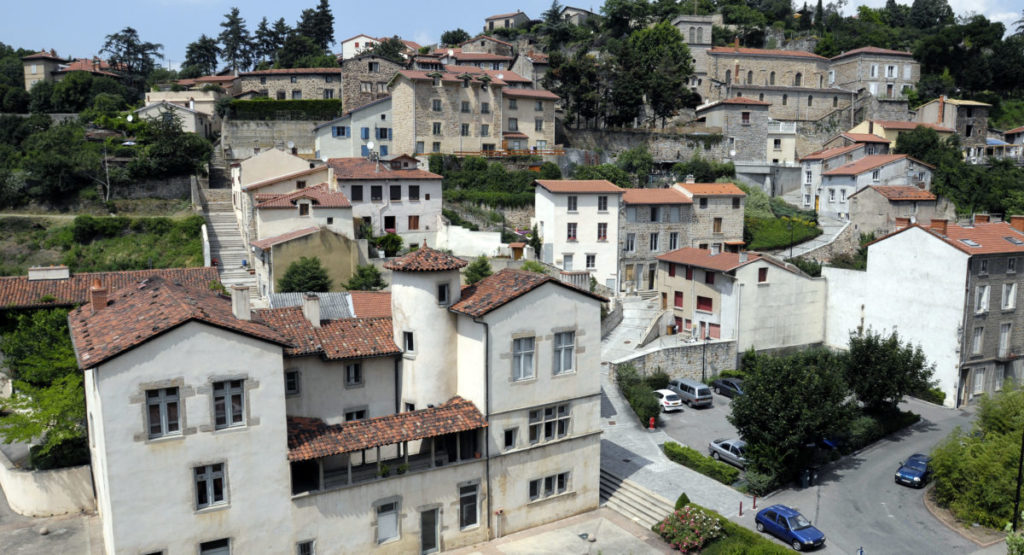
point(790, 526)
point(915, 471)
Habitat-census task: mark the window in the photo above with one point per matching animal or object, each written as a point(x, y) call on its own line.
point(485, 107)
point(376, 192)
point(831, 195)
point(305, 548)
point(465, 107)
point(512, 104)
point(673, 240)
point(339, 131)
point(750, 77)
point(591, 261)
point(602, 203)
point(842, 195)
point(890, 71)
point(510, 438)
point(1009, 296)
point(465, 83)
point(703, 203)
point(745, 118)
point(522, 358)
point(281, 95)
point(976, 340)
point(678, 300)
point(539, 106)
point(437, 81)
point(538, 125)
point(365, 86)
point(435, 104)
point(979, 381)
point(689, 273)
point(655, 213)
point(395, 192)
point(762, 275)
point(436, 146)
point(653, 245)
point(296, 94)
point(705, 304)
point(303, 208)
point(436, 128)
point(414, 223)
point(229, 403)
point(735, 203)
point(328, 93)
point(215, 547)
point(210, 488)
point(513, 124)
point(1004, 339)
point(728, 76)
point(630, 242)
point(968, 130)
point(709, 277)
point(771, 78)
point(602, 231)
point(785, 99)
point(981, 299)
point(1011, 265)
point(810, 100)
point(291, 382)
point(468, 513)
point(162, 408)
point(355, 414)
point(549, 423)
point(776, 144)
point(572, 201)
point(357, 192)
point(716, 225)
point(414, 192)
point(549, 485)
point(353, 374)
point(571, 232)
point(485, 130)
point(384, 133)
point(564, 349)
point(387, 522)
point(874, 70)
point(408, 342)
point(835, 101)
point(982, 264)
point(807, 177)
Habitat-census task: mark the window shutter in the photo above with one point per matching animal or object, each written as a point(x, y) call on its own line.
point(364, 151)
point(365, 133)
point(383, 150)
point(389, 133)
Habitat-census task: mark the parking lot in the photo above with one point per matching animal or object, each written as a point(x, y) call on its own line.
point(696, 427)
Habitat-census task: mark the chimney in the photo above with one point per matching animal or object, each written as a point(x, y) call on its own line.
point(691, 179)
point(37, 273)
point(743, 256)
point(939, 225)
point(902, 223)
point(311, 308)
point(97, 296)
point(736, 41)
point(1017, 222)
point(871, 127)
point(981, 218)
point(240, 302)
point(942, 108)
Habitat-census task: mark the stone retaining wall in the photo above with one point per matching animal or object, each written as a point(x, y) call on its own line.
point(686, 360)
point(847, 241)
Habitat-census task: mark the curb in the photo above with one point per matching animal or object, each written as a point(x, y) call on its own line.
point(924, 499)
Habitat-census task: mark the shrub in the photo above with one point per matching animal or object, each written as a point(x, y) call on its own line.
point(534, 266)
point(759, 483)
point(73, 452)
point(766, 234)
point(932, 395)
point(693, 459)
point(644, 403)
point(658, 379)
point(690, 528)
point(682, 501)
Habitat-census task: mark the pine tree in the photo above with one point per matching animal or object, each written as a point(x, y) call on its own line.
point(819, 18)
point(235, 41)
point(262, 45)
point(477, 270)
point(200, 57)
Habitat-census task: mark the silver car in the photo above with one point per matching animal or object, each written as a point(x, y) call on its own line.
point(728, 450)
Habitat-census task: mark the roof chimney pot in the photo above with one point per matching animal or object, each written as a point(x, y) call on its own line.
point(311, 308)
point(981, 218)
point(939, 225)
point(97, 296)
point(240, 302)
point(1017, 222)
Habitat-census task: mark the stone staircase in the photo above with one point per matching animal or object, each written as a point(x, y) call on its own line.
point(220, 177)
point(648, 295)
point(633, 501)
point(226, 242)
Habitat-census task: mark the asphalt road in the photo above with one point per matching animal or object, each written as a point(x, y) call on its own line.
point(696, 427)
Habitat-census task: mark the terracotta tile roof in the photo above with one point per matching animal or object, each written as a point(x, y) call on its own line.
point(655, 196)
point(19, 292)
point(487, 37)
point(293, 71)
point(514, 135)
point(537, 57)
point(702, 258)
point(51, 55)
point(910, 125)
point(280, 178)
point(425, 259)
point(363, 169)
point(215, 79)
point(501, 15)
point(1014, 131)
point(990, 238)
point(732, 50)
point(311, 438)
point(268, 242)
point(529, 93)
point(319, 194)
point(371, 304)
point(830, 152)
point(713, 189)
point(866, 163)
point(865, 138)
point(579, 185)
point(481, 56)
point(503, 287)
point(334, 339)
point(905, 192)
point(737, 101)
point(517, 245)
point(136, 314)
point(91, 65)
point(873, 50)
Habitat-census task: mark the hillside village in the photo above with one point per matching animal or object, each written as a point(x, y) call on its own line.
point(512, 290)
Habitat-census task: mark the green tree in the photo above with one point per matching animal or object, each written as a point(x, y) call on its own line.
point(300, 51)
point(59, 161)
point(624, 16)
point(549, 170)
point(610, 172)
point(366, 278)
point(168, 150)
point(454, 37)
point(305, 274)
point(38, 350)
point(201, 57)
point(819, 17)
point(661, 63)
point(318, 25)
point(39, 98)
point(235, 41)
point(16, 100)
point(882, 370)
point(925, 14)
point(477, 270)
point(131, 57)
point(787, 403)
point(637, 161)
point(390, 243)
point(73, 93)
point(533, 266)
point(578, 80)
point(535, 241)
point(390, 48)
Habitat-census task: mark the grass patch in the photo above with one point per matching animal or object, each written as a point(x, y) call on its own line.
point(695, 460)
point(767, 234)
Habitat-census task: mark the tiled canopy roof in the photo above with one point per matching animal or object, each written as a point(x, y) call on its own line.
point(311, 438)
point(903, 193)
point(579, 185)
point(702, 258)
point(371, 304)
point(866, 163)
point(135, 314)
point(987, 238)
point(318, 194)
point(334, 339)
point(530, 93)
point(865, 138)
point(20, 292)
point(268, 242)
point(495, 291)
point(425, 259)
point(873, 50)
point(293, 71)
point(713, 189)
point(363, 169)
point(830, 152)
point(655, 196)
point(281, 178)
point(910, 125)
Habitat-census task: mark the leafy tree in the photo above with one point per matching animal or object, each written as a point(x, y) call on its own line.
point(131, 57)
point(477, 270)
point(390, 243)
point(59, 161)
point(235, 41)
point(39, 349)
point(549, 170)
point(39, 98)
point(535, 241)
point(819, 17)
point(168, 150)
point(882, 370)
point(16, 100)
point(611, 172)
point(704, 171)
point(621, 17)
point(72, 94)
point(454, 37)
point(300, 51)
point(272, 40)
point(201, 56)
point(578, 80)
point(390, 48)
point(789, 402)
point(637, 161)
point(305, 274)
point(534, 266)
point(661, 63)
point(925, 14)
point(925, 144)
point(366, 278)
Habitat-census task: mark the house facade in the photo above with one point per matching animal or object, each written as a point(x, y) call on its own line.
point(354, 46)
point(351, 134)
point(882, 72)
point(717, 221)
point(652, 222)
point(744, 123)
point(879, 169)
point(891, 130)
point(505, 21)
point(532, 65)
point(296, 174)
point(41, 67)
point(529, 116)
point(192, 120)
point(578, 225)
point(293, 84)
point(881, 209)
point(968, 118)
point(364, 79)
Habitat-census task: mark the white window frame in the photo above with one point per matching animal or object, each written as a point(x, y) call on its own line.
point(630, 243)
point(292, 382)
point(981, 296)
point(409, 342)
point(572, 202)
point(515, 438)
point(602, 203)
point(653, 242)
point(229, 390)
point(388, 511)
point(549, 423)
point(523, 351)
point(205, 478)
point(565, 353)
point(471, 491)
point(1009, 296)
point(353, 374)
point(673, 240)
point(979, 381)
point(977, 340)
point(549, 486)
point(165, 398)
point(1005, 336)
point(591, 261)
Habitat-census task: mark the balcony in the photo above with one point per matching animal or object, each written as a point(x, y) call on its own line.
point(579, 279)
point(778, 127)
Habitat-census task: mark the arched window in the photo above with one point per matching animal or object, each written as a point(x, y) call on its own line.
point(750, 77)
point(739, 93)
point(700, 35)
point(810, 100)
point(835, 101)
point(761, 97)
point(785, 98)
point(693, 34)
point(728, 76)
point(821, 81)
point(796, 80)
point(771, 78)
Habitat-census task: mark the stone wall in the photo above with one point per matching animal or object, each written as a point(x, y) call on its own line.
point(664, 145)
point(847, 241)
point(362, 82)
point(46, 492)
point(240, 137)
point(310, 86)
point(612, 319)
point(169, 188)
point(686, 360)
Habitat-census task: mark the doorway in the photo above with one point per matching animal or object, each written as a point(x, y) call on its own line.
point(650, 276)
point(429, 532)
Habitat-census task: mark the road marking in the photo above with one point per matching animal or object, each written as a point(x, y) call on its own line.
point(887, 510)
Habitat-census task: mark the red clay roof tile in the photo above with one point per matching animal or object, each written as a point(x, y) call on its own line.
point(732, 50)
point(319, 194)
point(702, 258)
point(363, 169)
point(371, 304)
point(334, 339)
point(503, 287)
point(19, 292)
point(655, 196)
point(713, 189)
point(893, 192)
point(873, 50)
point(579, 185)
point(268, 242)
point(280, 178)
point(425, 259)
point(866, 163)
point(830, 152)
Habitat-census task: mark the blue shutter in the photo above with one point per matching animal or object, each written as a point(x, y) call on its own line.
point(389, 133)
point(383, 150)
point(346, 131)
point(365, 151)
point(336, 131)
point(365, 133)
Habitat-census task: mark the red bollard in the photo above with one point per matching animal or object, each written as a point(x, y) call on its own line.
point(755, 502)
point(741, 508)
point(651, 425)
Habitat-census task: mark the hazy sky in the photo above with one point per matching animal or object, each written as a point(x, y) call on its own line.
point(77, 28)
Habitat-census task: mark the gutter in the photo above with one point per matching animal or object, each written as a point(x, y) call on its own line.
point(487, 418)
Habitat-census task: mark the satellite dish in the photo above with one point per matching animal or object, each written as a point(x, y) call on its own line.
point(291, 145)
point(130, 118)
point(369, 145)
point(501, 76)
point(732, 154)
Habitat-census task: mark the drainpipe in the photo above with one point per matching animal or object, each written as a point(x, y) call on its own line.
point(963, 339)
point(487, 418)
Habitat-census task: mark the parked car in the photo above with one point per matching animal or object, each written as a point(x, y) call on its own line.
point(915, 471)
point(730, 387)
point(790, 526)
point(728, 450)
point(693, 393)
point(669, 400)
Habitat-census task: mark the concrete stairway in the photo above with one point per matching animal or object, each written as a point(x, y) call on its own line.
point(220, 177)
point(226, 246)
point(633, 501)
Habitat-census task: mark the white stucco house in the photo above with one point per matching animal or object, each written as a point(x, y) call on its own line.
point(578, 222)
point(352, 134)
point(353, 46)
point(880, 169)
point(192, 120)
point(265, 169)
point(436, 417)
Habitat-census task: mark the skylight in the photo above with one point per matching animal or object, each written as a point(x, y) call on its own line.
point(970, 242)
point(1014, 240)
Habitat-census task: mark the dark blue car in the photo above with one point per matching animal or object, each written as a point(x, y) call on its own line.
point(790, 526)
point(915, 471)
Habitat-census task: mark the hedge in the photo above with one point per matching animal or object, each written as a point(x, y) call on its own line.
point(691, 458)
point(317, 110)
point(767, 234)
point(638, 392)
